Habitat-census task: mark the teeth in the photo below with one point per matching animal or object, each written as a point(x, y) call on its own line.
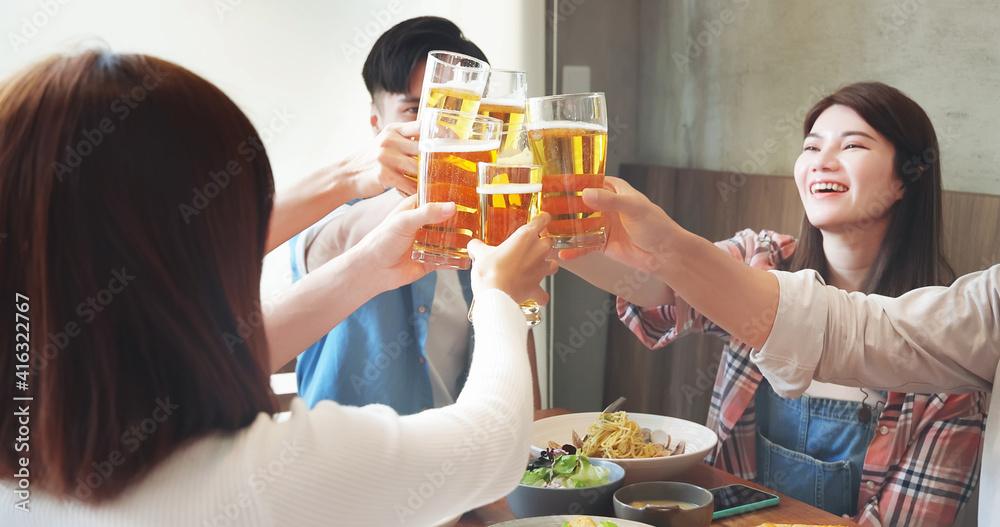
point(820, 187)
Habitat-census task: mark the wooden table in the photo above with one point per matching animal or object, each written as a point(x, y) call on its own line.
point(787, 511)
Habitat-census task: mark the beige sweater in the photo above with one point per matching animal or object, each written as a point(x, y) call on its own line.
point(929, 340)
point(339, 465)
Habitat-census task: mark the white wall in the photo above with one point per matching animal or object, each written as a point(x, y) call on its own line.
point(301, 59)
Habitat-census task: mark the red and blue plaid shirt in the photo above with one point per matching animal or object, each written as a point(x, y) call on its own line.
point(923, 462)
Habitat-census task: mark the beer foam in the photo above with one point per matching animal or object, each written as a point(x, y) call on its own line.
point(510, 188)
point(508, 102)
point(457, 145)
point(472, 87)
point(565, 125)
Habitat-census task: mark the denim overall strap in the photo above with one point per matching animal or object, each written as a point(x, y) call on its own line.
point(812, 449)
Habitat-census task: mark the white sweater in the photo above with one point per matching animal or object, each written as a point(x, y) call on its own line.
point(929, 340)
point(339, 465)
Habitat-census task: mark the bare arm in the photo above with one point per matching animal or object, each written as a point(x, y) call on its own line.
point(642, 236)
point(928, 340)
point(349, 228)
point(637, 286)
point(381, 261)
point(367, 172)
point(324, 297)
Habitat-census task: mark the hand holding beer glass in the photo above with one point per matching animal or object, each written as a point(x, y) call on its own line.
point(451, 144)
point(508, 199)
point(569, 139)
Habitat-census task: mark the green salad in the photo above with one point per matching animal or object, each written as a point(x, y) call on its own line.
point(561, 470)
point(602, 524)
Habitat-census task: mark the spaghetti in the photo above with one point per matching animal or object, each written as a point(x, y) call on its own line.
point(615, 436)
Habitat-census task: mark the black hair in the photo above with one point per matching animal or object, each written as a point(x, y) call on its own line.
point(912, 252)
point(397, 51)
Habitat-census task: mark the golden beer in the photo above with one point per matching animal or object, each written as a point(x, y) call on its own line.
point(451, 98)
point(504, 207)
point(509, 197)
point(512, 143)
point(509, 111)
point(448, 172)
point(458, 98)
point(572, 155)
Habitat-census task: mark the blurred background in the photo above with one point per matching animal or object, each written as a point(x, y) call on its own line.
point(719, 86)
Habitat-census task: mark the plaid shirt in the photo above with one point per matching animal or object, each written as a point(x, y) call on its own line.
point(923, 461)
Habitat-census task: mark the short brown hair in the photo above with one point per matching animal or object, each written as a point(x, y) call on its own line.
point(135, 211)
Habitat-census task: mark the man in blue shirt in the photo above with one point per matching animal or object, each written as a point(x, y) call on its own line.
point(407, 348)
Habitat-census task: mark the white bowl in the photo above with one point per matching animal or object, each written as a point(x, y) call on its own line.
point(557, 521)
point(698, 439)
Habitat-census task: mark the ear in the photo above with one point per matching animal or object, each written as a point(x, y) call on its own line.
point(375, 119)
point(899, 188)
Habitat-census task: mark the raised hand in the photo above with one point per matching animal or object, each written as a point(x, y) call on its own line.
point(637, 229)
point(383, 162)
point(385, 251)
point(517, 265)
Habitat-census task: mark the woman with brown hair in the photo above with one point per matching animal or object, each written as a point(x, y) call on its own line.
point(870, 181)
point(136, 228)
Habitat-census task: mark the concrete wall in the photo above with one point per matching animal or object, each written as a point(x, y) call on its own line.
point(724, 83)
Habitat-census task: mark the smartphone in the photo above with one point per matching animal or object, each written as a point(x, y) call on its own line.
point(737, 499)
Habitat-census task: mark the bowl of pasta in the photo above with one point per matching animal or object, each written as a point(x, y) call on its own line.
point(649, 447)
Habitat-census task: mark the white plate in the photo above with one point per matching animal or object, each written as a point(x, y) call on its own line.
point(699, 440)
point(557, 521)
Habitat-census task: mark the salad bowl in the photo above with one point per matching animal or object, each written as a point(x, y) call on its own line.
point(527, 501)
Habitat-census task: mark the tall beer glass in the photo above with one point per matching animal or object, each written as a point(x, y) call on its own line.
point(451, 144)
point(453, 81)
point(504, 98)
point(569, 139)
point(508, 199)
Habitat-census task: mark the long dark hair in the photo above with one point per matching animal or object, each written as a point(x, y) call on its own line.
point(911, 254)
point(135, 211)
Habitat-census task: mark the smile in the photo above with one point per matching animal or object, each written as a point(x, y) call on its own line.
point(818, 188)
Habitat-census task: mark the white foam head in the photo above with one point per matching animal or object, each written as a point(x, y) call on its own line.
point(510, 188)
point(565, 125)
point(458, 85)
point(513, 103)
point(457, 145)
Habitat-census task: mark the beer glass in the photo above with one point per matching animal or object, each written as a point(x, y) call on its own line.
point(569, 139)
point(453, 81)
point(504, 98)
point(451, 144)
point(508, 199)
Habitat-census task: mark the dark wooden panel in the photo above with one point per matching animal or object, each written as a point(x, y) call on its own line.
point(970, 228)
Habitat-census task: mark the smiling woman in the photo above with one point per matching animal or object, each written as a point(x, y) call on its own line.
point(896, 204)
point(872, 224)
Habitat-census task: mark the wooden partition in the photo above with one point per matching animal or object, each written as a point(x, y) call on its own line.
point(678, 380)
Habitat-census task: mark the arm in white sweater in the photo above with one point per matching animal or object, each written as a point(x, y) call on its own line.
point(369, 466)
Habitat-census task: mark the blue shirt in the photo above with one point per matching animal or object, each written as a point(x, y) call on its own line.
point(377, 354)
